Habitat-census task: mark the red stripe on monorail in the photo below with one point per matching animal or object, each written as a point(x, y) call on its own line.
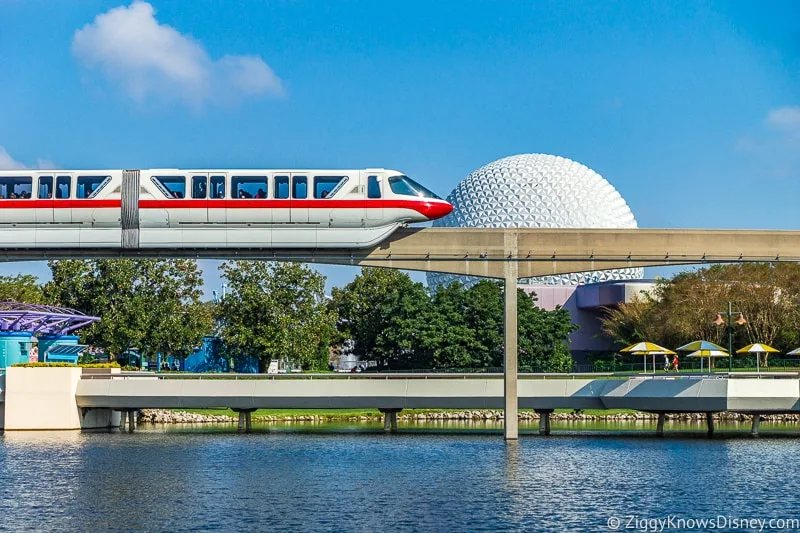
point(426, 208)
point(37, 203)
point(251, 203)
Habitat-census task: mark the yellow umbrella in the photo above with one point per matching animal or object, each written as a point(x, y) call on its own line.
point(700, 345)
point(641, 347)
point(757, 349)
point(647, 348)
point(709, 354)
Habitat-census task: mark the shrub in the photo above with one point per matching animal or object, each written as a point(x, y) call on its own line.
point(54, 365)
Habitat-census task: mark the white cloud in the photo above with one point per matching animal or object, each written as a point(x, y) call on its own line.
point(9, 163)
point(147, 59)
point(785, 118)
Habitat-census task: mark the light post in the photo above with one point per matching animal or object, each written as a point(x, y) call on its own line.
point(740, 321)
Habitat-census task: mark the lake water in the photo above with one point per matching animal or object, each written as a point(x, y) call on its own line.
point(353, 477)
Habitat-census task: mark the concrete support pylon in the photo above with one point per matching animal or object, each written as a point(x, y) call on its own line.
point(245, 420)
point(131, 420)
point(390, 418)
point(710, 423)
point(756, 424)
point(510, 352)
point(544, 421)
point(660, 425)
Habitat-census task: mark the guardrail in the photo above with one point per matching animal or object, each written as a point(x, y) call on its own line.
point(432, 375)
point(341, 376)
point(741, 364)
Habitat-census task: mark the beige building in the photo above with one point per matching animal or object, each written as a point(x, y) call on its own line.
point(585, 304)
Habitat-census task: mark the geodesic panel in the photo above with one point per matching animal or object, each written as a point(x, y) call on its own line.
point(538, 191)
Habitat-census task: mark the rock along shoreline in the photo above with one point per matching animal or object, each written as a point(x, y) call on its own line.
point(166, 416)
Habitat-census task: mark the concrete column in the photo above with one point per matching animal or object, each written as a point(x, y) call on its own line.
point(660, 426)
point(544, 421)
point(756, 423)
point(131, 420)
point(710, 423)
point(245, 420)
point(510, 353)
point(389, 418)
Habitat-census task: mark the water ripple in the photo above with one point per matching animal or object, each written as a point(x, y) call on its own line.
point(352, 479)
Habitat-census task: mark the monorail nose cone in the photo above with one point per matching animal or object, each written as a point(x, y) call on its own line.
point(434, 210)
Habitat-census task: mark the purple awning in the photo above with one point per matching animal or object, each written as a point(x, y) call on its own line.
point(41, 319)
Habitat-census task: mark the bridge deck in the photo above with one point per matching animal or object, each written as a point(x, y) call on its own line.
point(778, 393)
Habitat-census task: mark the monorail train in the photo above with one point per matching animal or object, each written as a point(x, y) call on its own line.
point(167, 208)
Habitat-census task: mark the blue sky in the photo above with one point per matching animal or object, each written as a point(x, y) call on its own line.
point(691, 110)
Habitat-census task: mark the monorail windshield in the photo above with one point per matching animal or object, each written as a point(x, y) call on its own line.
point(407, 187)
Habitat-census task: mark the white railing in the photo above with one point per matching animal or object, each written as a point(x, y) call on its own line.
point(209, 376)
point(341, 376)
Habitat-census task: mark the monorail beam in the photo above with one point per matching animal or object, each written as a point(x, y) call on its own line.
point(484, 268)
point(483, 252)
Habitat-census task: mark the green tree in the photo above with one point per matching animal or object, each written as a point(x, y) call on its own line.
point(543, 337)
point(406, 341)
point(366, 306)
point(682, 309)
point(485, 315)
point(395, 321)
point(152, 305)
point(276, 311)
point(21, 288)
point(450, 336)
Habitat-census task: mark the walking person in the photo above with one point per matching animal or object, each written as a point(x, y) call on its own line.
point(667, 363)
point(675, 363)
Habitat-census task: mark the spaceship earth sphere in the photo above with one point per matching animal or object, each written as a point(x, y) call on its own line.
point(537, 191)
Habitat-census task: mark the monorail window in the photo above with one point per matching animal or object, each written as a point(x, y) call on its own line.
point(218, 187)
point(88, 186)
point(171, 186)
point(299, 187)
point(282, 187)
point(326, 186)
point(249, 187)
point(45, 187)
point(373, 187)
point(405, 186)
point(199, 187)
point(15, 187)
point(63, 184)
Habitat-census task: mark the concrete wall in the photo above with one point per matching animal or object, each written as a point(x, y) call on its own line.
point(585, 304)
point(669, 394)
point(44, 399)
